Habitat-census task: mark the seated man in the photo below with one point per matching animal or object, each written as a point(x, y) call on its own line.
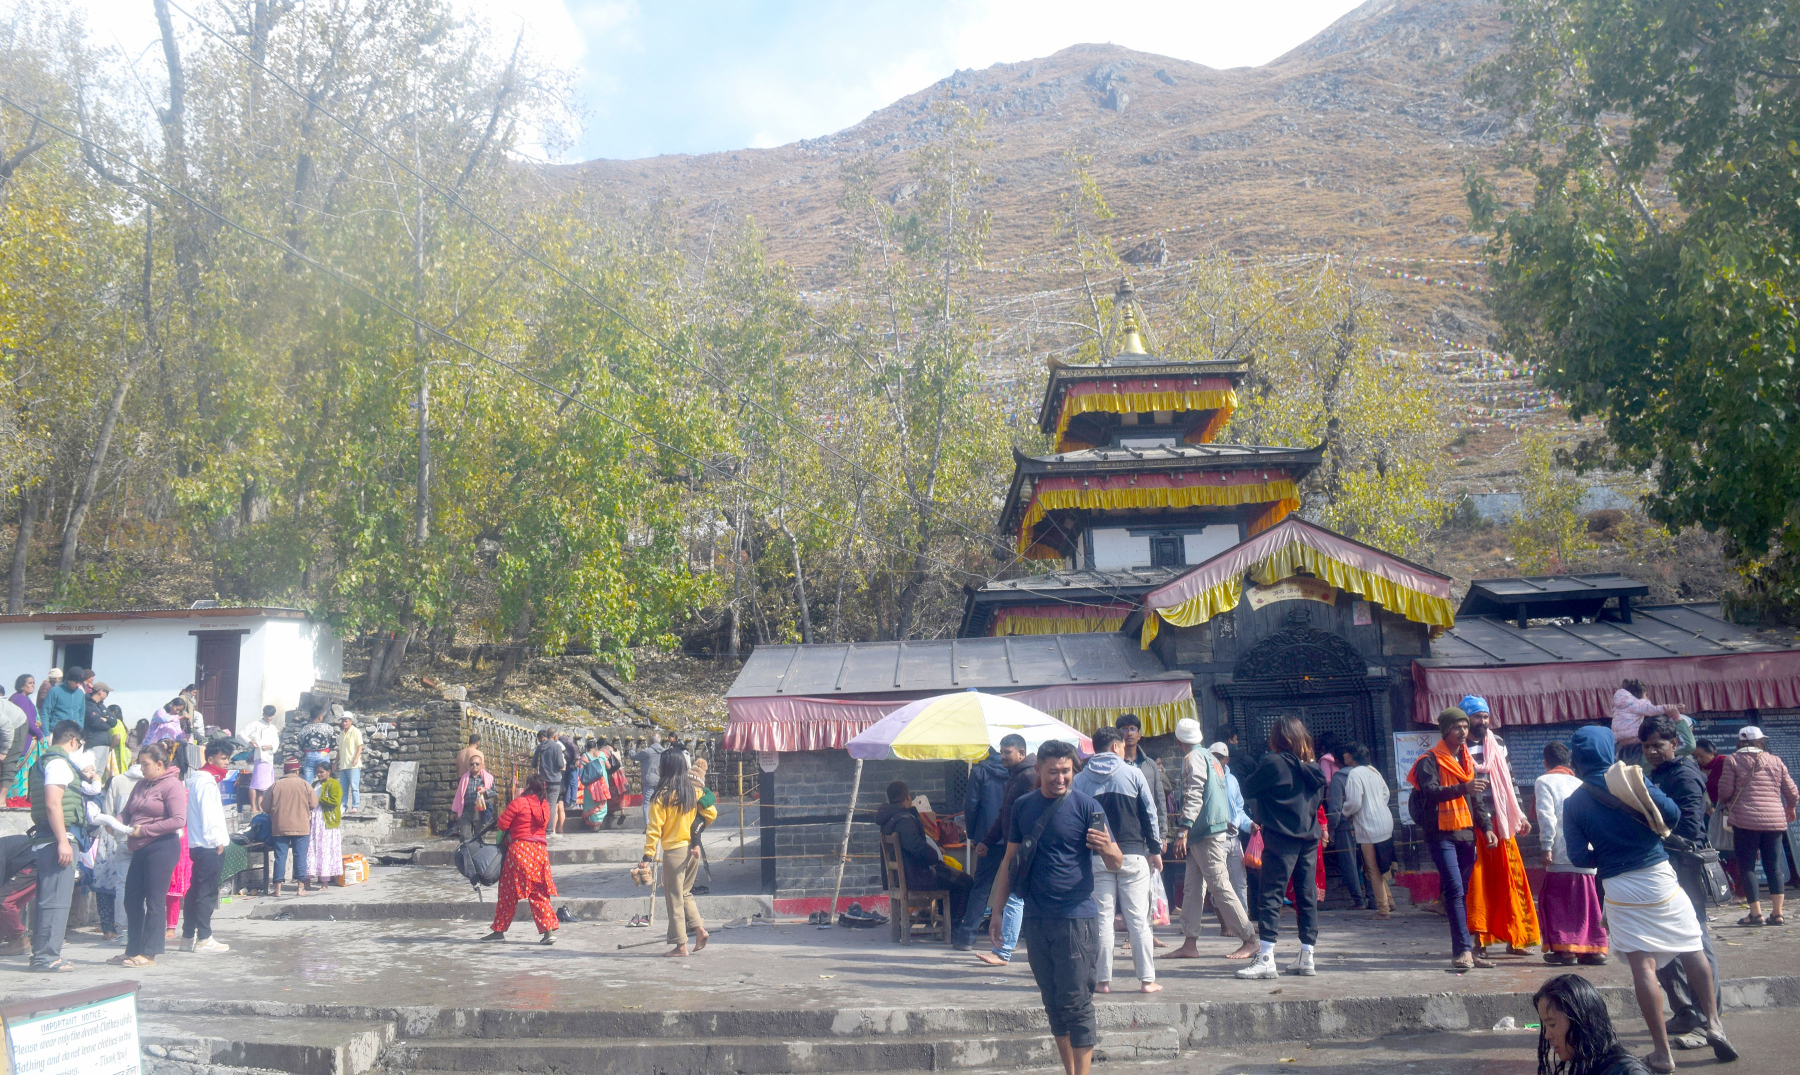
point(924, 862)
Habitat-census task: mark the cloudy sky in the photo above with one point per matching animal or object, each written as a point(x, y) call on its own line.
point(686, 76)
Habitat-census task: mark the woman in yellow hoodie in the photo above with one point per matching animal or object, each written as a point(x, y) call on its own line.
point(671, 814)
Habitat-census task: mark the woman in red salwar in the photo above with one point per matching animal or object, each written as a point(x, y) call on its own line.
point(526, 875)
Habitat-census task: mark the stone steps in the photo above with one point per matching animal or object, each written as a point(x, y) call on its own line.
point(612, 909)
point(712, 1055)
point(297, 1046)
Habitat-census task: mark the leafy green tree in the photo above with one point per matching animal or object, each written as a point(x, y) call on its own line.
point(1669, 315)
point(1549, 534)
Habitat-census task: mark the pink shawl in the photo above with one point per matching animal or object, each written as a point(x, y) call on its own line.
point(1498, 771)
point(462, 788)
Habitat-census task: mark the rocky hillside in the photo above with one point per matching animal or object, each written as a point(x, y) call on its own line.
point(1352, 144)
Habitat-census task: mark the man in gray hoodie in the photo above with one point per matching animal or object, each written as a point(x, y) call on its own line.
point(1121, 790)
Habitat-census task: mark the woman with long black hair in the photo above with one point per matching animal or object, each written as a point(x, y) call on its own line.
point(669, 823)
point(1575, 1035)
point(526, 875)
point(1284, 793)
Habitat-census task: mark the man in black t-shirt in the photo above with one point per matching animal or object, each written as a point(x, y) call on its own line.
point(1061, 940)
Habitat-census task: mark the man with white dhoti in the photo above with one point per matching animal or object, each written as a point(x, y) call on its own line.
point(1615, 822)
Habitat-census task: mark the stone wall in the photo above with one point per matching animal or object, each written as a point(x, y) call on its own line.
point(803, 819)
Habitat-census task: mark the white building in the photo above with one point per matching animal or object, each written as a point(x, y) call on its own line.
point(241, 658)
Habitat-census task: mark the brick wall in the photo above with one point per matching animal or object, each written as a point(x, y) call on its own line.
point(816, 785)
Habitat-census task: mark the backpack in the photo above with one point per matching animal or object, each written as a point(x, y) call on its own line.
point(479, 861)
point(261, 829)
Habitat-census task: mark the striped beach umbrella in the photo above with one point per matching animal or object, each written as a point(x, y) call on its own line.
point(960, 727)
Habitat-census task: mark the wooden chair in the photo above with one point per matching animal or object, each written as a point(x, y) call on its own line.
point(903, 901)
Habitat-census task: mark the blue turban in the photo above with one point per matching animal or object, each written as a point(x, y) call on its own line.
point(1473, 704)
point(1591, 754)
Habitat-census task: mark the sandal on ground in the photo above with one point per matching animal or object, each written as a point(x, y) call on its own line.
point(139, 961)
point(119, 960)
point(1751, 920)
point(1462, 962)
point(59, 967)
point(1592, 959)
point(547, 939)
point(1485, 963)
point(1775, 920)
point(1557, 959)
point(1723, 1050)
point(1669, 1070)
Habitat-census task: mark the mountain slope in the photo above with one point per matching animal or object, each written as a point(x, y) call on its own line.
point(1353, 143)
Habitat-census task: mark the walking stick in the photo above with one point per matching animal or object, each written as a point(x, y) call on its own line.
point(844, 846)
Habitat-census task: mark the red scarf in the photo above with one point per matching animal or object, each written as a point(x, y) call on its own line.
point(217, 772)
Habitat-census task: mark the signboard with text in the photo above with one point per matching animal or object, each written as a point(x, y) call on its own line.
point(88, 1032)
point(1298, 588)
point(1409, 747)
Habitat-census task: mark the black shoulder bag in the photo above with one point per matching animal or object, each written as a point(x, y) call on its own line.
point(1697, 860)
point(1022, 862)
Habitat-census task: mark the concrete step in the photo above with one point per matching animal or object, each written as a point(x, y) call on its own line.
point(715, 1055)
point(613, 909)
point(559, 856)
point(298, 1046)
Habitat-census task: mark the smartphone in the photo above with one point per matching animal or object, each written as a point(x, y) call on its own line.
point(1097, 821)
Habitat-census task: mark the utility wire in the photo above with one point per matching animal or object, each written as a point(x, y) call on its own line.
point(985, 536)
point(351, 282)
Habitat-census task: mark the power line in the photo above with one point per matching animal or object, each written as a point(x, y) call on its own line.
point(455, 200)
point(350, 282)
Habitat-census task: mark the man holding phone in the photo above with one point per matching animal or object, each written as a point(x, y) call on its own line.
point(1051, 843)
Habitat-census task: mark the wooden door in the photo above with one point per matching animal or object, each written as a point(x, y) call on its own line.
point(216, 673)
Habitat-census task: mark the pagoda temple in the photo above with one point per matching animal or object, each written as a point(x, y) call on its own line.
point(1136, 490)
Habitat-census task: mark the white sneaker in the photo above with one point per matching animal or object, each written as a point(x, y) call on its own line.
point(1263, 966)
point(210, 945)
point(1303, 966)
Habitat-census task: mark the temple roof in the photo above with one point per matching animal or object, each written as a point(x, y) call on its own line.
point(1082, 587)
point(1135, 367)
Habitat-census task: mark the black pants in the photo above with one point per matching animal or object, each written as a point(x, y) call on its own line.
point(1283, 859)
point(1349, 859)
point(1750, 844)
point(203, 893)
point(1062, 952)
point(959, 884)
point(1674, 977)
point(147, 895)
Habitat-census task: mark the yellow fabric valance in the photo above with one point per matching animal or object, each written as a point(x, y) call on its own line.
point(1157, 719)
point(1102, 498)
point(1223, 400)
point(1056, 625)
point(1287, 555)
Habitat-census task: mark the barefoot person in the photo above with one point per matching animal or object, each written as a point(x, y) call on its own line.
point(1204, 835)
point(1616, 822)
point(672, 812)
point(526, 875)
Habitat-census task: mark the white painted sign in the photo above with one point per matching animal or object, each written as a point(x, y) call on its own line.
point(1409, 747)
point(94, 1039)
point(403, 784)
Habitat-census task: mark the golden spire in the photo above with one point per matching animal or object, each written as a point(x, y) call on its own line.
point(1131, 334)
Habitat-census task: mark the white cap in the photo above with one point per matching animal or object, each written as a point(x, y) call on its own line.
point(55, 673)
point(1220, 749)
point(1187, 730)
point(1749, 733)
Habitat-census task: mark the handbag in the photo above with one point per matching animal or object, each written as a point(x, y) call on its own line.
point(1718, 831)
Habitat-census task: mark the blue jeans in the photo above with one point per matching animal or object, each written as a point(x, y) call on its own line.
point(1011, 918)
point(352, 781)
point(284, 844)
point(987, 866)
point(310, 762)
point(1455, 859)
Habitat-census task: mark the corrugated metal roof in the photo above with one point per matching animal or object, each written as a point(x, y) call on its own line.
point(1654, 631)
point(945, 664)
point(1101, 581)
point(1541, 596)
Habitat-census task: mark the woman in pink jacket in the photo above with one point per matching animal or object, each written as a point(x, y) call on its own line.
point(157, 815)
point(1761, 798)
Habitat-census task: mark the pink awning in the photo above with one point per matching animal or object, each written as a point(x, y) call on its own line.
point(1583, 690)
point(785, 724)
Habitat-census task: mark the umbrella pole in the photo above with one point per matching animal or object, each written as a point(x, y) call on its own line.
point(844, 846)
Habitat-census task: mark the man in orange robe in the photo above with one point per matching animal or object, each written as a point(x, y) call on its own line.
point(1499, 898)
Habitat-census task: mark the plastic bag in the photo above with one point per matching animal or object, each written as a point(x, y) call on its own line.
point(1253, 853)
